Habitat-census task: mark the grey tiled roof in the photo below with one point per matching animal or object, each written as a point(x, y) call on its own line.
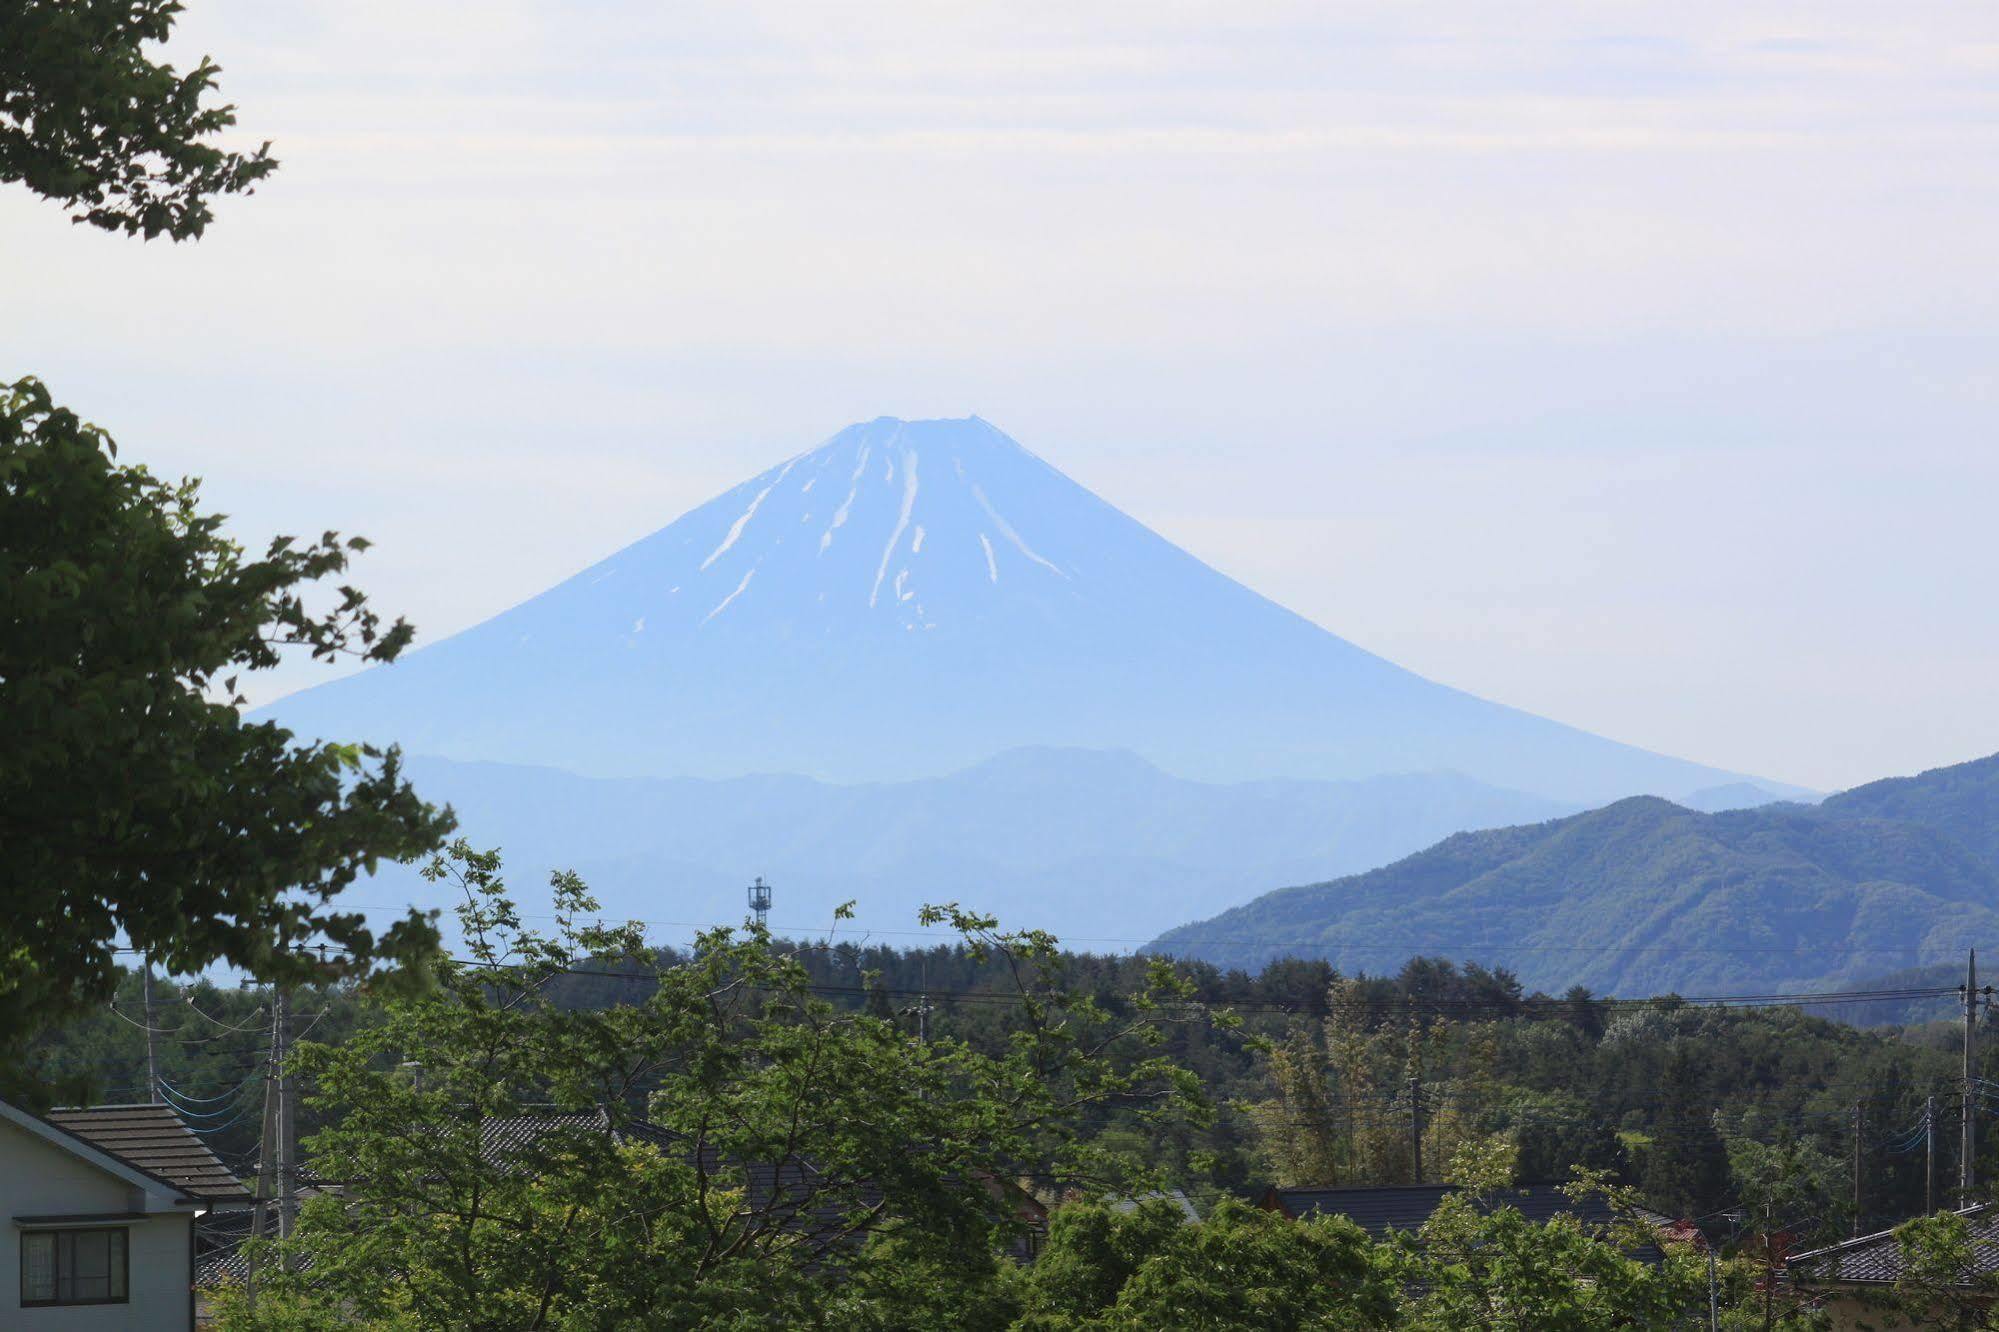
point(502, 1138)
point(1408, 1206)
point(1185, 1205)
point(1876, 1260)
point(219, 1237)
point(1381, 1210)
point(157, 1141)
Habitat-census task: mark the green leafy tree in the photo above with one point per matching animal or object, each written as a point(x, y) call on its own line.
point(90, 120)
point(1555, 1131)
point(1240, 1268)
point(722, 1148)
point(1335, 1116)
point(1475, 1264)
point(137, 805)
point(907, 1280)
point(1792, 1183)
point(1299, 1130)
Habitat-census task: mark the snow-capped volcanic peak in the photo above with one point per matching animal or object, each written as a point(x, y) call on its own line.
point(910, 598)
point(912, 523)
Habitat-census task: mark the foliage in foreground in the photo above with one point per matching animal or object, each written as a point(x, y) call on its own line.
point(730, 1150)
point(89, 119)
point(135, 800)
point(726, 1149)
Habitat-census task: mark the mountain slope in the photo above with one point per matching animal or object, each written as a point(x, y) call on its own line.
point(1643, 896)
point(911, 598)
point(1961, 802)
point(1103, 847)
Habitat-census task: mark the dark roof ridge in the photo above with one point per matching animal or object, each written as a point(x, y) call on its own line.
point(1404, 1188)
point(1862, 1241)
point(113, 1105)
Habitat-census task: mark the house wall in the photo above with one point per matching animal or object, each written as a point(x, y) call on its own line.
point(39, 1179)
point(1851, 1310)
point(1850, 1313)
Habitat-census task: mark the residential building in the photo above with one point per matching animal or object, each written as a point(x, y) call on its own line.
point(1848, 1280)
point(101, 1204)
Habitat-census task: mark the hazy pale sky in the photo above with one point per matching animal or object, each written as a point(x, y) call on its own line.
point(1635, 364)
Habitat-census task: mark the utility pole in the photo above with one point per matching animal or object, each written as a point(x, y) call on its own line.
point(1769, 1281)
point(1968, 1149)
point(1858, 1121)
point(1930, 1156)
point(287, 1144)
point(152, 1053)
point(277, 1169)
point(1713, 1291)
point(1416, 1125)
point(266, 1143)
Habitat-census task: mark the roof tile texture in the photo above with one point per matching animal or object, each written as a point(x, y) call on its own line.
point(157, 1141)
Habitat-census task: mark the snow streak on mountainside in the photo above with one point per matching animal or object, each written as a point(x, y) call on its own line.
point(913, 597)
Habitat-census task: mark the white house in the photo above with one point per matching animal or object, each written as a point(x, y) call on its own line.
point(100, 1206)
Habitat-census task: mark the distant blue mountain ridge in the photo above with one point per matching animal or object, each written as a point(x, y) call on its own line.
point(984, 684)
point(1103, 848)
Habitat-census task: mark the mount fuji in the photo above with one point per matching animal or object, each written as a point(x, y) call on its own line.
point(913, 597)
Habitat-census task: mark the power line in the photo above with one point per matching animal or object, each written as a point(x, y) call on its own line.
point(179, 1095)
point(1409, 949)
point(1525, 1006)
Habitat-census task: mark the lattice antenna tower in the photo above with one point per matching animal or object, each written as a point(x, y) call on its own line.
point(760, 901)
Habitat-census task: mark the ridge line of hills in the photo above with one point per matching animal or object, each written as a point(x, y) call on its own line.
point(1096, 846)
point(1642, 896)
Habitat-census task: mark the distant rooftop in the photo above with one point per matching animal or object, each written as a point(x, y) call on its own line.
point(1382, 1210)
point(1876, 1260)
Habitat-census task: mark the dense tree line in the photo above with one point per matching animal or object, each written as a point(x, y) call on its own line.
point(1700, 1108)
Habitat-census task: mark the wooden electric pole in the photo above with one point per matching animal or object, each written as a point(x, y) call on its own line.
point(266, 1141)
point(1930, 1156)
point(286, 1151)
point(1859, 1119)
point(278, 1145)
point(1968, 1148)
point(1416, 1126)
point(152, 1052)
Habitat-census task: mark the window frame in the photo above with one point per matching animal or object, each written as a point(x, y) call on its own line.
point(123, 1271)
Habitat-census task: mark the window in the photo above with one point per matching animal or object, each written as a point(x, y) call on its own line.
point(73, 1266)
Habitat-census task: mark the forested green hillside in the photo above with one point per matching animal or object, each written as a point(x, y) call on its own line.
point(1961, 802)
point(1643, 896)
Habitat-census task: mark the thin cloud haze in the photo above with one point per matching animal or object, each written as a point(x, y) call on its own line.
point(1633, 365)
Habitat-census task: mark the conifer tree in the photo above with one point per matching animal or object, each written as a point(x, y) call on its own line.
point(1686, 1167)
